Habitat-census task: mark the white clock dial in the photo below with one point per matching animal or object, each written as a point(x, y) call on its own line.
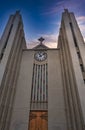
point(40, 56)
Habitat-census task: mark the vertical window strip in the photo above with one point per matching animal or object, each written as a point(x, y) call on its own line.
point(36, 85)
point(32, 83)
point(46, 82)
point(73, 34)
point(38, 69)
point(39, 83)
point(43, 82)
point(78, 53)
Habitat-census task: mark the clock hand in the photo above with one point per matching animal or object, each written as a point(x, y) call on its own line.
point(40, 55)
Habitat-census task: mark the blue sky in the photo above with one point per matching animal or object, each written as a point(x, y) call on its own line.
point(42, 17)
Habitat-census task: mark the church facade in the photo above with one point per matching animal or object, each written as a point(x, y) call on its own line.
point(42, 88)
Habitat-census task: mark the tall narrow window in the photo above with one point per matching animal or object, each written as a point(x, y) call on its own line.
point(78, 53)
point(39, 94)
point(4, 47)
point(82, 68)
point(73, 34)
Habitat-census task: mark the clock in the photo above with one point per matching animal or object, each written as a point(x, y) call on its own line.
point(40, 56)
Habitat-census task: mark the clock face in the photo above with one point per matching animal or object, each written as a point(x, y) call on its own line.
point(40, 56)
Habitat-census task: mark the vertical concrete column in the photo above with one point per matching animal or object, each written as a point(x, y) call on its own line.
point(21, 108)
point(56, 104)
point(75, 63)
point(6, 32)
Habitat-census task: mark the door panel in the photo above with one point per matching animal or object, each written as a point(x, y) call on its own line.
point(38, 120)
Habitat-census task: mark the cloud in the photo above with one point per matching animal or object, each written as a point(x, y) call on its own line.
point(53, 10)
point(58, 23)
point(60, 6)
point(50, 41)
point(32, 43)
point(81, 23)
point(81, 18)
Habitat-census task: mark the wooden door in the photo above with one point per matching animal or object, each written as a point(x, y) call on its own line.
point(38, 120)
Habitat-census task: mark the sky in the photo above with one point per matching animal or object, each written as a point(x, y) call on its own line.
point(42, 18)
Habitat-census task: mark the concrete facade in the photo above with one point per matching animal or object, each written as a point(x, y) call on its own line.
point(61, 77)
point(12, 43)
point(73, 78)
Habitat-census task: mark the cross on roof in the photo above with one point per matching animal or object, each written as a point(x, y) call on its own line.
point(41, 39)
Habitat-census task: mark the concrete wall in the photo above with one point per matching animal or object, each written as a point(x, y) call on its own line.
point(75, 63)
point(9, 68)
point(72, 76)
point(79, 37)
point(6, 32)
point(56, 103)
point(21, 108)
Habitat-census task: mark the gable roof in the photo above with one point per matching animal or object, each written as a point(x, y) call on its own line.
point(40, 46)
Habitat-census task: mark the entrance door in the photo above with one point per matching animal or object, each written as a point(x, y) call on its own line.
point(38, 120)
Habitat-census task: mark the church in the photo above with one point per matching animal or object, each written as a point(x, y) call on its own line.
point(42, 88)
